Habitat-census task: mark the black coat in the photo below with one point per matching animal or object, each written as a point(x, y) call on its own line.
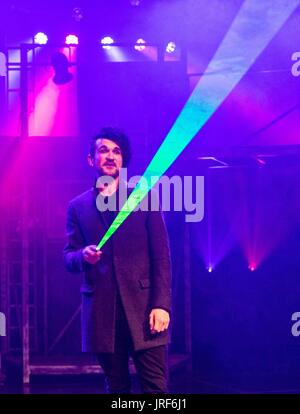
point(135, 260)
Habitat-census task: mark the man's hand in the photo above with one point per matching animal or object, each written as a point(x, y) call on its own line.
point(90, 254)
point(159, 320)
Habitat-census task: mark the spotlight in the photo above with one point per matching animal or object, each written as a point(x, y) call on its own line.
point(71, 40)
point(252, 267)
point(135, 2)
point(77, 14)
point(106, 41)
point(41, 38)
point(140, 45)
point(210, 269)
point(61, 66)
point(171, 47)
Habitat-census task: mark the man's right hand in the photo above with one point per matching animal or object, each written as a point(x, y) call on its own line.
point(91, 254)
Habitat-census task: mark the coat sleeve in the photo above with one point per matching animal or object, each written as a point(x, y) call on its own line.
point(160, 261)
point(72, 254)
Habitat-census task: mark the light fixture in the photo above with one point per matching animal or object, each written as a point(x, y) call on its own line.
point(140, 45)
point(77, 14)
point(41, 38)
point(71, 40)
point(61, 66)
point(106, 42)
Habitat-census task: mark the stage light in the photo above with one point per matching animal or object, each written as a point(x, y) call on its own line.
point(252, 267)
point(106, 41)
point(61, 66)
point(209, 269)
point(41, 38)
point(71, 40)
point(77, 14)
point(140, 45)
point(171, 47)
point(135, 2)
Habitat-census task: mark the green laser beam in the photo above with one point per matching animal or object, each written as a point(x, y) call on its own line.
point(254, 26)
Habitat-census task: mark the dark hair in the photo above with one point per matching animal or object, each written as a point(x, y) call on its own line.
point(119, 137)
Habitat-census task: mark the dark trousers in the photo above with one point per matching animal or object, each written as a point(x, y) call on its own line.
point(151, 364)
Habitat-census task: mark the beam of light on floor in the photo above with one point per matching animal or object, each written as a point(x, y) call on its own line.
point(253, 28)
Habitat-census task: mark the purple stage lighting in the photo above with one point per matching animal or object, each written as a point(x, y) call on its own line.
point(140, 45)
point(106, 41)
point(41, 38)
point(71, 40)
point(171, 47)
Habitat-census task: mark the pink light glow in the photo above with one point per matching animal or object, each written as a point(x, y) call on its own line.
point(54, 107)
point(150, 52)
point(41, 38)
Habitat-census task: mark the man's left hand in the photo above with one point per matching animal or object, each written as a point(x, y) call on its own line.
point(159, 320)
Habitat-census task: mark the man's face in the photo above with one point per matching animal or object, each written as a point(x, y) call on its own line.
point(108, 158)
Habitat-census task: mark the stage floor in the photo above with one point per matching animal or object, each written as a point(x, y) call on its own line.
point(181, 382)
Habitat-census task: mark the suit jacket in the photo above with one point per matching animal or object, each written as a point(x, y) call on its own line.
point(135, 262)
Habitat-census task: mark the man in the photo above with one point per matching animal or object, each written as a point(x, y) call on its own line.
point(126, 295)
